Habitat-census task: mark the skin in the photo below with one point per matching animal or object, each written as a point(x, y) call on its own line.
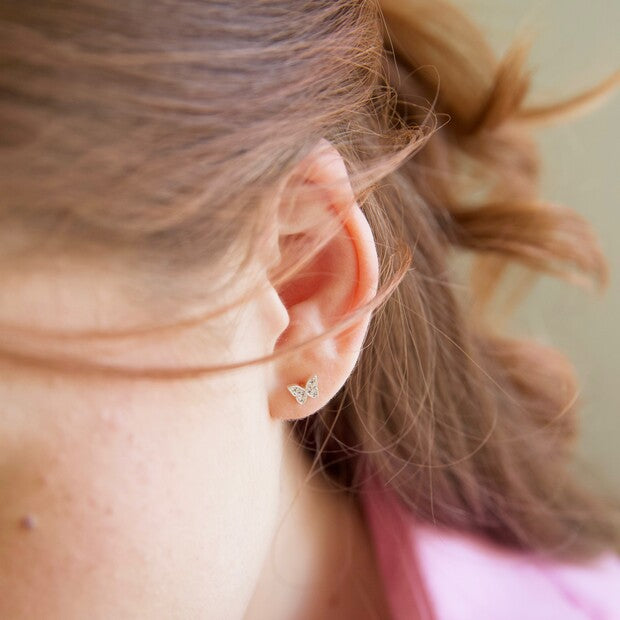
point(186, 499)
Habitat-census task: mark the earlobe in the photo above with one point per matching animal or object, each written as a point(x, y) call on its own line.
point(341, 277)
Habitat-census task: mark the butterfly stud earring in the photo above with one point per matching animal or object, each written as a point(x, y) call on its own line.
point(301, 394)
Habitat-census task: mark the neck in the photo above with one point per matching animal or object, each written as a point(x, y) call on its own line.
point(321, 563)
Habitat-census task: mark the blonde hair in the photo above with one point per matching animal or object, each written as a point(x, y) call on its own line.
point(161, 133)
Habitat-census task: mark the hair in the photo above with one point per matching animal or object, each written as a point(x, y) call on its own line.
point(160, 131)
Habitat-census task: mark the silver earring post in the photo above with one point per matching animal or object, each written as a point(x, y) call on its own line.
point(301, 394)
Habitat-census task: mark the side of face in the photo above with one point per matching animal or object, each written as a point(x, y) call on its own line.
point(160, 499)
point(140, 498)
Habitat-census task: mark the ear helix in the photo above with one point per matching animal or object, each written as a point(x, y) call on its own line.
point(301, 394)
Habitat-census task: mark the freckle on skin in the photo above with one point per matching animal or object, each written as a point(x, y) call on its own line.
point(28, 522)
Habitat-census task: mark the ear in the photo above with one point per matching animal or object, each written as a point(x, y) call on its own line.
point(341, 277)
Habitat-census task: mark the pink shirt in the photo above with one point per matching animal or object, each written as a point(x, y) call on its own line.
point(461, 577)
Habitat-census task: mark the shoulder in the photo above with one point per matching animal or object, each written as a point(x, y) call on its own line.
point(467, 577)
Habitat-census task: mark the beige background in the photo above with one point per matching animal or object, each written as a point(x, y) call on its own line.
point(576, 44)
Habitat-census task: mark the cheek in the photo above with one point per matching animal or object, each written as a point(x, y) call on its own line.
point(163, 507)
